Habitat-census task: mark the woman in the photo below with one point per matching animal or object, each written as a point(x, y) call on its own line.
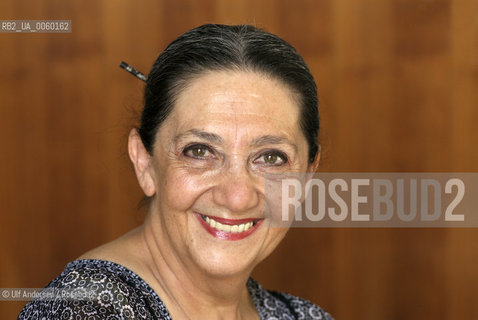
point(224, 106)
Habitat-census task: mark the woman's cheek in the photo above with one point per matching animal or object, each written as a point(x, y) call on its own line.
point(183, 189)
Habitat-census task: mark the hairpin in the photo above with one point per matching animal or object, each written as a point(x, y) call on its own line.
point(133, 71)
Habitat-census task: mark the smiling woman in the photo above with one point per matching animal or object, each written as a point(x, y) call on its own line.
point(224, 106)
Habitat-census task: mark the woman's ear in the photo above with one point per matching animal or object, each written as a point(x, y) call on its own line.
point(141, 160)
point(315, 165)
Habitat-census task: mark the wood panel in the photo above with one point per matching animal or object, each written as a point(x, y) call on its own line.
point(398, 87)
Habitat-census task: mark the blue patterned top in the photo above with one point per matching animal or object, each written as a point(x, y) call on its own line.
point(119, 293)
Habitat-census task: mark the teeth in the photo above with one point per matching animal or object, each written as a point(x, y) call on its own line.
point(228, 228)
point(211, 222)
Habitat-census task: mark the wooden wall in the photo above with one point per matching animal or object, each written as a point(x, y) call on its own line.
point(398, 84)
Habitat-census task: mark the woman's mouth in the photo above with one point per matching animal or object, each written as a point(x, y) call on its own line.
point(228, 229)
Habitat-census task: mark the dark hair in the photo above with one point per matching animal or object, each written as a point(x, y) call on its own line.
point(214, 47)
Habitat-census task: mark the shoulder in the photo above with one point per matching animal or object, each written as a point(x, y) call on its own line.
point(280, 305)
point(96, 289)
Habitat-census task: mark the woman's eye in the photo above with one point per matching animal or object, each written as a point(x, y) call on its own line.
point(197, 151)
point(273, 158)
point(270, 158)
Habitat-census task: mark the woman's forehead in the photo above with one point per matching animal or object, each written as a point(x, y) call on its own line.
point(239, 98)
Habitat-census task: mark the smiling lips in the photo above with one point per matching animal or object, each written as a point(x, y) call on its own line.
point(228, 229)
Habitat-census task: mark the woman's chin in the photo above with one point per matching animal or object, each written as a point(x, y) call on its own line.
point(222, 258)
point(224, 266)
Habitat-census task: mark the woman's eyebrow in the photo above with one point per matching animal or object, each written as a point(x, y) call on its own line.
point(208, 136)
point(216, 139)
point(270, 139)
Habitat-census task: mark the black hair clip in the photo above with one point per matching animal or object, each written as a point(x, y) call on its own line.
point(133, 71)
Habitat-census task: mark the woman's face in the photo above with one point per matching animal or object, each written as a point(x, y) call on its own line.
point(227, 130)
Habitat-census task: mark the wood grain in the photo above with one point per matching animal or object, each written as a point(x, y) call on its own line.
point(398, 88)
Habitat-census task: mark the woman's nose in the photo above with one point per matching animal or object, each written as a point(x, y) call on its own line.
point(236, 189)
